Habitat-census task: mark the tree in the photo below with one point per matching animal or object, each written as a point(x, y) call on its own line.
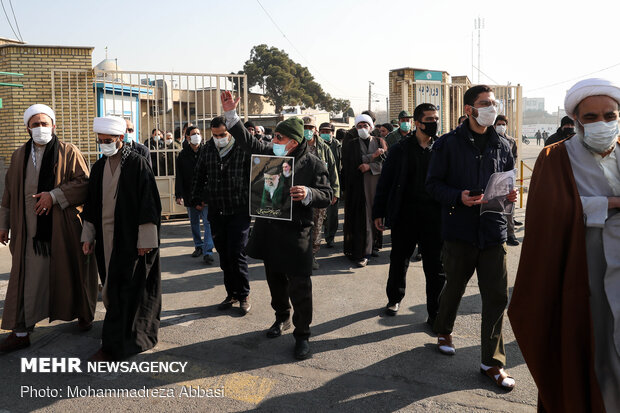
point(287, 82)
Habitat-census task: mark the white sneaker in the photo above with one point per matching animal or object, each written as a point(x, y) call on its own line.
point(392, 309)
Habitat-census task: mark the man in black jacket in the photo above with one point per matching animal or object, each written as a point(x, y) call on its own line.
point(501, 125)
point(286, 246)
point(133, 144)
point(156, 146)
point(403, 204)
point(221, 180)
point(326, 131)
point(565, 131)
point(186, 162)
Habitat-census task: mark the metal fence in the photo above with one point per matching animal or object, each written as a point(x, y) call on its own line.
point(152, 101)
point(448, 97)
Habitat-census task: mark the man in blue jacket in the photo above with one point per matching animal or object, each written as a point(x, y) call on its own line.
point(463, 160)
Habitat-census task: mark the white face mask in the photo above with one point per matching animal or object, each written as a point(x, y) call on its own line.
point(600, 136)
point(501, 129)
point(41, 135)
point(220, 142)
point(195, 139)
point(108, 149)
point(130, 136)
point(156, 138)
point(486, 116)
point(363, 133)
point(168, 141)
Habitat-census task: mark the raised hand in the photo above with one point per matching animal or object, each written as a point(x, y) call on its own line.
point(228, 103)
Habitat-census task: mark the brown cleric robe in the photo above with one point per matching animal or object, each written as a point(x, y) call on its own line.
point(550, 307)
point(62, 286)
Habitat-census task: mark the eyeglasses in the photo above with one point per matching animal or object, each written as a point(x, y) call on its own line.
point(486, 103)
point(106, 141)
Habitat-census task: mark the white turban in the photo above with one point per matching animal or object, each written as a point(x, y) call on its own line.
point(589, 87)
point(36, 109)
point(110, 125)
point(364, 118)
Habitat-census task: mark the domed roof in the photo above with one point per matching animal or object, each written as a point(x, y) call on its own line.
point(107, 64)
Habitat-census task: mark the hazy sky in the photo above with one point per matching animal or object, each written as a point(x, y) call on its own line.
point(546, 46)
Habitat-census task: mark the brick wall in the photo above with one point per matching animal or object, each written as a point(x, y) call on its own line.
point(36, 64)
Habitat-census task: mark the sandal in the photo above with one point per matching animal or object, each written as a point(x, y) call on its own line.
point(501, 376)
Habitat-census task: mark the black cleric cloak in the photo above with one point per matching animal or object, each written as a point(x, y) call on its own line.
point(134, 282)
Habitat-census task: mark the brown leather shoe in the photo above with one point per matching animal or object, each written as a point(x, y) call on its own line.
point(13, 343)
point(444, 344)
point(245, 305)
point(84, 325)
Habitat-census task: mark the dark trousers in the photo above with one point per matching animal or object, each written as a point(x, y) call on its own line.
point(331, 222)
point(230, 236)
point(426, 233)
point(460, 259)
point(299, 290)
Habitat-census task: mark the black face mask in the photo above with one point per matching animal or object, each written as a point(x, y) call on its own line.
point(568, 131)
point(430, 128)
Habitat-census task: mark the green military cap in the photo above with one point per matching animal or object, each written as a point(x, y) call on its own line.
point(404, 114)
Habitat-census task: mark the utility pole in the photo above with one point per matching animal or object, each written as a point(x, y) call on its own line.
point(479, 25)
point(472, 53)
point(387, 108)
point(370, 93)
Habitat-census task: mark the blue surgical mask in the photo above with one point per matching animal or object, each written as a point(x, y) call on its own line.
point(326, 137)
point(308, 134)
point(405, 126)
point(279, 149)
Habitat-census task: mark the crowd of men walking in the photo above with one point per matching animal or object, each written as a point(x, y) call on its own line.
point(427, 189)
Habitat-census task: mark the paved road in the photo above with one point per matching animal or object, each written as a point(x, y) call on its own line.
point(362, 359)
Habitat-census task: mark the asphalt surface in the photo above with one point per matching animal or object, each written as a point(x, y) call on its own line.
point(362, 359)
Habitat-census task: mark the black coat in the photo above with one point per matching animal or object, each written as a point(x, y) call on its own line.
point(394, 181)
point(354, 228)
point(141, 150)
point(558, 136)
point(286, 246)
point(158, 157)
point(134, 282)
point(184, 176)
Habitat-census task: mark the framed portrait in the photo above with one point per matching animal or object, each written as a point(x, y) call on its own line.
point(496, 193)
point(271, 179)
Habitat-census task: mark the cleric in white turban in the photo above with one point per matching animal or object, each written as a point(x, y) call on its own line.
point(565, 308)
point(110, 125)
point(38, 109)
point(48, 279)
point(122, 214)
point(362, 166)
